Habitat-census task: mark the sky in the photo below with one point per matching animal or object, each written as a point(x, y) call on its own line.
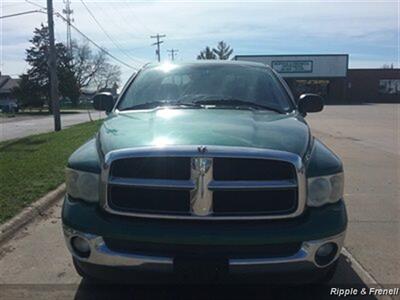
point(369, 31)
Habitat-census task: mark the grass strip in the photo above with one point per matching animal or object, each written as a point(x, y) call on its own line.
point(32, 166)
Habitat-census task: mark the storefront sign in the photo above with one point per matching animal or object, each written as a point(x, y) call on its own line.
point(293, 66)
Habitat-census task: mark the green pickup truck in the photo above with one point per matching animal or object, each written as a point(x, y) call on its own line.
point(205, 170)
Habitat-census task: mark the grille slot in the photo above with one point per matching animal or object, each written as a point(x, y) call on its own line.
point(177, 168)
point(252, 169)
point(236, 251)
point(147, 200)
point(254, 202)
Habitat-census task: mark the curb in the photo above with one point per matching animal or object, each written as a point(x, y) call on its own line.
point(29, 213)
point(365, 276)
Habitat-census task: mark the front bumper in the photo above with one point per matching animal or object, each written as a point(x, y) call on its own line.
point(315, 227)
point(100, 254)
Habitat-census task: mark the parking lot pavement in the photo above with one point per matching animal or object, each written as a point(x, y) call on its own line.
point(36, 263)
point(367, 139)
point(373, 125)
point(22, 126)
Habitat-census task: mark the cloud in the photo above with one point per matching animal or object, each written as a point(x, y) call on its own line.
point(255, 27)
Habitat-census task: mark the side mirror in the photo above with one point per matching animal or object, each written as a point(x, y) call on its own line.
point(310, 103)
point(103, 101)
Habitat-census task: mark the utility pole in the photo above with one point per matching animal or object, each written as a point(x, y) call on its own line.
point(158, 43)
point(173, 51)
point(52, 64)
point(68, 12)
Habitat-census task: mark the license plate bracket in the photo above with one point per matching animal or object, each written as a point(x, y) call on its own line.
point(200, 267)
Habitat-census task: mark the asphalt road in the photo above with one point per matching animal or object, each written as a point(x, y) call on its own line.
point(22, 126)
point(36, 264)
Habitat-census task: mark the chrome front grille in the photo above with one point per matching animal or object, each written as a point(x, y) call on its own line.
point(221, 183)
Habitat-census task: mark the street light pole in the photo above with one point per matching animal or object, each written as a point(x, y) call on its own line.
point(52, 64)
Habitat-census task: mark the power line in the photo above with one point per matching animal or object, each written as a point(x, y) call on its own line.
point(127, 22)
point(158, 43)
point(95, 44)
point(22, 13)
point(106, 33)
point(118, 23)
point(149, 30)
point(173, 51)
point(38, 5)
point(57, 14)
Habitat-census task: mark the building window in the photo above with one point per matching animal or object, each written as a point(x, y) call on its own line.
point(320, 87)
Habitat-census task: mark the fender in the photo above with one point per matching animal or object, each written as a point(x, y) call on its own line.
point(322, 161)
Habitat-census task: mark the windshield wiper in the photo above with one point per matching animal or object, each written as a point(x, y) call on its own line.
point(154, 104)
point(236, 103)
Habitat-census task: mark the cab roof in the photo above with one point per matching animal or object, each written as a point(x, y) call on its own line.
point(211, 62)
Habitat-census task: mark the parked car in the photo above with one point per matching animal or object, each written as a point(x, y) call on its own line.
point(205, 168)
point(10, 107)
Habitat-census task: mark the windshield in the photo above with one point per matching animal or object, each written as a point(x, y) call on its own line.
point(171, 84)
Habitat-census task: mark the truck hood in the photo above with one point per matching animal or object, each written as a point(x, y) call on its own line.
point(222, 127)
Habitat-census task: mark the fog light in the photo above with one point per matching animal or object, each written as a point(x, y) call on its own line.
point(80, 246)
point(326, 253)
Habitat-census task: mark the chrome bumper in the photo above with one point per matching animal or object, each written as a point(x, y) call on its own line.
point(102, 255)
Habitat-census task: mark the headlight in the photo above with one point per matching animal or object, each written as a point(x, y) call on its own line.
point(82, 185)
point(325, 189)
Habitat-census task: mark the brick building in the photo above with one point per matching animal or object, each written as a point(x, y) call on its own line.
point(330, 76)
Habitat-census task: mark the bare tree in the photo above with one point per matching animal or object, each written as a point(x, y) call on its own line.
point(107, 76)
point(93, 70)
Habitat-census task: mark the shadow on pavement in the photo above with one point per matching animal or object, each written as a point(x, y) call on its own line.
point(345, 277)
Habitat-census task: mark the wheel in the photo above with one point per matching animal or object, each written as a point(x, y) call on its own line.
point(329, 274)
